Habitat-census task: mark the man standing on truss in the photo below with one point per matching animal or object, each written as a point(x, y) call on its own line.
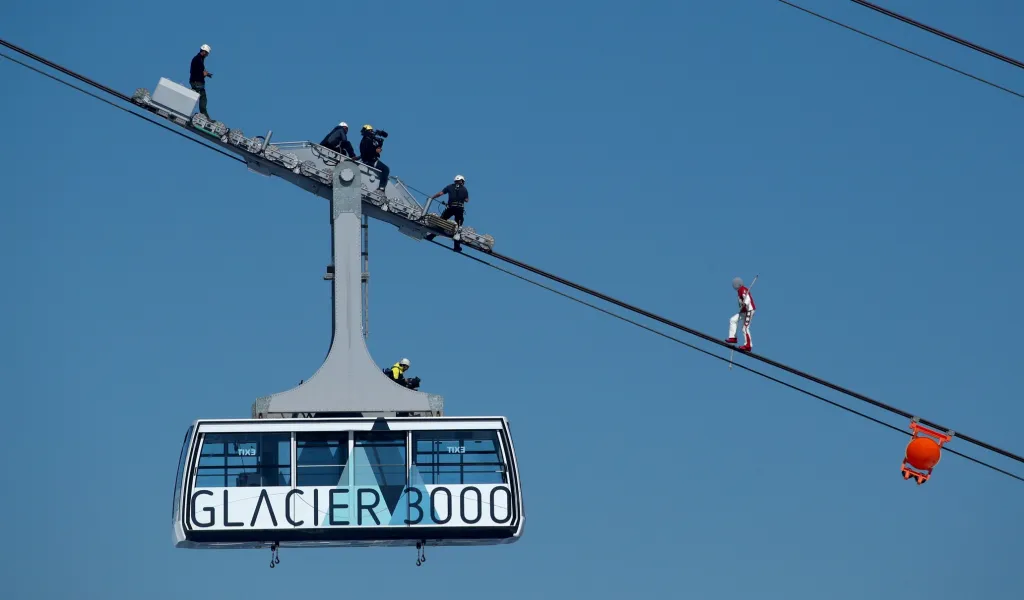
point(746, 312)
point(458, 196)
point(197, 77)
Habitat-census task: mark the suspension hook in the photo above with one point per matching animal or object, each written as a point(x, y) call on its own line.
point(421, 552)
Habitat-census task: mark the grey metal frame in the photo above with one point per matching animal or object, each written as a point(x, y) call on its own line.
point(349, 382)
point(308, 165)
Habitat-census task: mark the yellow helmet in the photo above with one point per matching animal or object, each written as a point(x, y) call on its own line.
point(367, 127)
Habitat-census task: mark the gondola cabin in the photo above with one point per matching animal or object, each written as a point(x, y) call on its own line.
point(347, 482)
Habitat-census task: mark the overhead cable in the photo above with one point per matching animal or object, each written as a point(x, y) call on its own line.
point(67, 72)
point(119, 96)
point(763, 359)
point(901, 48)
point(721, 358)
point(941, 33)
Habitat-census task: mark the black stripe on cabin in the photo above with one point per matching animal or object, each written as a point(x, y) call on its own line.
point(349, 534)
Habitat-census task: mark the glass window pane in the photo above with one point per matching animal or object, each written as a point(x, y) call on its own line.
point(205, 480)
point(453, 457)
point(379, 460)
point(321, 458)
point(245, 460)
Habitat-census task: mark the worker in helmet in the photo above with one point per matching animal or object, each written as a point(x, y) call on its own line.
point(746, 313)
point(337, 140)
point(458, 196)
point(397, 374)
point(197, 77)
point(369, 153)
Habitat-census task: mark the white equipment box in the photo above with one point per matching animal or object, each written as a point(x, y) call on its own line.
point(173, 96)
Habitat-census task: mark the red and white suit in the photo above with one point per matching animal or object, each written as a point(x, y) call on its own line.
point(746, 312)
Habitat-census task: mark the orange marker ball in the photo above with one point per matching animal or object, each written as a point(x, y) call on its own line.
point(923, 453)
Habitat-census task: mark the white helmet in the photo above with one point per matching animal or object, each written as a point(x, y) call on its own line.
point(343, 124)
point(737, 283)
point(205, 47)
point(404, 362)
point(460, 178)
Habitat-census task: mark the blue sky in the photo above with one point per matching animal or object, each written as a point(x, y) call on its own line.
point(652, 150)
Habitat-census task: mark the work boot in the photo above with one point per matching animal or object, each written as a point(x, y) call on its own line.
point(744, 348)
point(731, 340)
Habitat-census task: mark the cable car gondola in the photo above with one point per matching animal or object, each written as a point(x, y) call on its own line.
point(347, 482)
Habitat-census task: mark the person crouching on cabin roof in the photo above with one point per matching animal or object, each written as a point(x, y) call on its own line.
point(397, 374)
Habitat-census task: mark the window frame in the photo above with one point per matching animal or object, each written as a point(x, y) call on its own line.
point(348, 455)
point(198, 468)
point(500, 448)
point(179, 478)
point(375, 462)
point(435, 467)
